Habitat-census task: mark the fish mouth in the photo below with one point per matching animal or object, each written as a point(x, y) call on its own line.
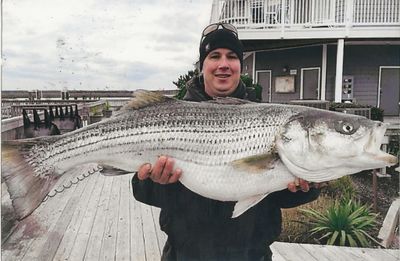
point(372, 147)
point(384, 157)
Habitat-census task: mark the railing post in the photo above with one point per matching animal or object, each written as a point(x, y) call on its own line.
point(214, 11)
point(349, 15)
point(283, 18)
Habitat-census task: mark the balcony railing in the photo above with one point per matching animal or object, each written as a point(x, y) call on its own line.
point(307, 13)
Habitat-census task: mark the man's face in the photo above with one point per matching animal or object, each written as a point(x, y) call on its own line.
point(221, 71)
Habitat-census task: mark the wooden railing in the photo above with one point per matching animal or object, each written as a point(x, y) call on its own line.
point(311, 13)
point(312, 103)
point(366, 112)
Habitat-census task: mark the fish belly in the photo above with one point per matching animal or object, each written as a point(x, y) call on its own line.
point(227, 183)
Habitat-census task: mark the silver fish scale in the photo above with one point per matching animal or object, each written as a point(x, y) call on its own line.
point(206, 134)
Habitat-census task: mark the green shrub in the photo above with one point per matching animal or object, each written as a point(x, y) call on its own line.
point(248, 81)
point(376, 113)
point(258, 89)
point(394, 145)
point(181, 83)
point(345, 223)
point(107, 106)
point(342, 187)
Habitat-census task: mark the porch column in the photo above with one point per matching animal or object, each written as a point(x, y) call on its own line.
point(254, 67)
point(339, 70)
point(323, 73)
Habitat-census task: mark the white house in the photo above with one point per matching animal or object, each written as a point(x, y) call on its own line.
point(334, 50)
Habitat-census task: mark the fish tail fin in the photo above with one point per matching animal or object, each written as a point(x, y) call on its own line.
point(26, 187)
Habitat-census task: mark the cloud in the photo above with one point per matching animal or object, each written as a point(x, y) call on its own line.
point(97, 44)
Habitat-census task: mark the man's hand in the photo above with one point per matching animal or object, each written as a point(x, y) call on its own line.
point(162, 172)
point(303, 185)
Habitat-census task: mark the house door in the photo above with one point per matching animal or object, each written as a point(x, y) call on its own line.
point(389, 90)
point(263, 78)
point(309, 86)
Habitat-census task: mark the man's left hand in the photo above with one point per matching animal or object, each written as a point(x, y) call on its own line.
point(303, 185)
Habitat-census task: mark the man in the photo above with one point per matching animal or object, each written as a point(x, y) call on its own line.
point(199, 228)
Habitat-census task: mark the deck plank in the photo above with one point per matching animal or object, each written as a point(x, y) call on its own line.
point(36, 226)
point(277, 257)
point(97, 233)
point(110, 233)
point(370, 254)
point(319, 253)
point(123, 234)
point(391, 221)
point(71, 233)
point(294, 252)
point(345, 253)
point(57, 233)
point(80, 244)
point(337, 253)
point(136, 229)
point(150, 235)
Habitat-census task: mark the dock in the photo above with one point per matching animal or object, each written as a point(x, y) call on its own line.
point(98, 219)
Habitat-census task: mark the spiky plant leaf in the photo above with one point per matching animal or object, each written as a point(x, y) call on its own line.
point(351, 240)
point(342, 238)
point(343, 223)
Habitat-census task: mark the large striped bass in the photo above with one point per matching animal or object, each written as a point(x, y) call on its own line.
point(228, 150)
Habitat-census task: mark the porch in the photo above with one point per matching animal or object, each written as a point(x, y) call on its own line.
point(309, 19)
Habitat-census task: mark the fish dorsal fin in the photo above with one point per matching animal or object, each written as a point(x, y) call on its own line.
point(228, 101)
point(257, 163)
point(143, 98)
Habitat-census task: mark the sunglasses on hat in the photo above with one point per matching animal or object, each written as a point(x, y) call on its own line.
point(214, 27)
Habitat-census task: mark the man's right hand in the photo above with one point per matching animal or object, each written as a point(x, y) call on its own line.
point(162, 172)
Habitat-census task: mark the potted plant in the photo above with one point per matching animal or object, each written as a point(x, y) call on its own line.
point(107, 110)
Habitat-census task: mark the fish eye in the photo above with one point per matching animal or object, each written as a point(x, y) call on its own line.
point(346, 128)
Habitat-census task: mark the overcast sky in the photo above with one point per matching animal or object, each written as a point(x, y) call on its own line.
point(100, 44)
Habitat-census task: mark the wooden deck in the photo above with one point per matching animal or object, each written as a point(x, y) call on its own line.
point(98, 219)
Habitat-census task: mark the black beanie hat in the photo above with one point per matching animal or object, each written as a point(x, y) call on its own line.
point(220, 38)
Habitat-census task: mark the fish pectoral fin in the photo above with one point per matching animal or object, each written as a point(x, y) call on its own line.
point(243, 205)
point(257, 163)
point(107, 170)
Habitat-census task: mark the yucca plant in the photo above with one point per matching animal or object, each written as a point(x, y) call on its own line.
point(345, 223)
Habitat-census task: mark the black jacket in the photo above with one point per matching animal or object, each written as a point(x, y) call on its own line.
point(199, 228)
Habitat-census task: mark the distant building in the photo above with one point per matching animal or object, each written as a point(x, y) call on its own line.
point(336, 50)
